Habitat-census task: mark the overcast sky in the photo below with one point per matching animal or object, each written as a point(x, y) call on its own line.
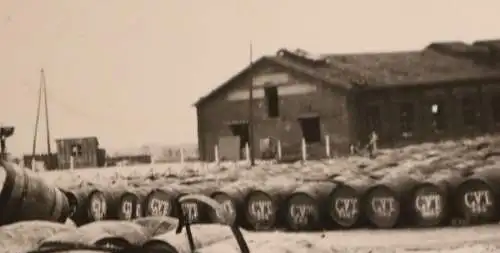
point(129, 71)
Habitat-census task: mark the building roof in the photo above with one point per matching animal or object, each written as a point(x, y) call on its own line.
point(438, 62)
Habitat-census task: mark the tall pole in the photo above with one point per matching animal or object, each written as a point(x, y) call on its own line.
point(49, 153)
point(250, 111)
point(37, 120)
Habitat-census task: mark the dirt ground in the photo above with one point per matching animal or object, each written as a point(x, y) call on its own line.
point(419, 161)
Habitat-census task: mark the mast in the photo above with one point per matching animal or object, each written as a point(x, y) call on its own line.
point(47, 126)
point(250, 112)
point(42, 89)
point(37, 120)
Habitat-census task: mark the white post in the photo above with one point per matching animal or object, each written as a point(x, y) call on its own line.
point(304, 151)
point(71, 162)
point(33, 163)
point(279, 150)
point(216, 153)
point(247, 152)
point(182, 156)
point(327, 146)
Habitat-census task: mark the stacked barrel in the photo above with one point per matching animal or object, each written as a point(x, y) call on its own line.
point(388, 202)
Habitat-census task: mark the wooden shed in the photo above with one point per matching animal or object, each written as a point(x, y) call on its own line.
point(85, 151)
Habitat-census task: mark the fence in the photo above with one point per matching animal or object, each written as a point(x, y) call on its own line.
point(289, 152)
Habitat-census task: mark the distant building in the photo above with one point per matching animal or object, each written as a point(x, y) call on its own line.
point(128, 159)
point(445, 90)
point(85, 151)
point(42, 160)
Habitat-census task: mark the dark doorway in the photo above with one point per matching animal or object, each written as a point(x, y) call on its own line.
point(469, 111)
point(271, 95)
point(373, 117)
point(311, 130)
point(242, 131)
point(406, 119)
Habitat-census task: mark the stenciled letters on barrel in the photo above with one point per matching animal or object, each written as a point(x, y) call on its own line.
point(261, 210)
point(383, 206)
point(478, 201)
point(346, 208)
point(428, 205)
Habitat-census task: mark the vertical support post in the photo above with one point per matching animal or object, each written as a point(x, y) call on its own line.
point(247, 152)
point(327, 146)
point(216, 153)
point(182, 156)
point(72, 162)
point(250, 110)
point(279, 150)
point(304, 150)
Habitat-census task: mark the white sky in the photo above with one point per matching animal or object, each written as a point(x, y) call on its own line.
point(128, 71)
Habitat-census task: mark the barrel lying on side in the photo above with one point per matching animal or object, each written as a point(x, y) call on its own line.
point(111, 233)
point(203, 235)
point(307, 206)
point(163, 202)
point(232, 197)
point(265, 207)
point(26, 196)
point(132, 202)
point(433, 200)
point(345, 203)
point(78, 199)
point(477, 196)
point(387, 203)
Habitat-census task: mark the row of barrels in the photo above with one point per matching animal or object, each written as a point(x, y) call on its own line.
point(400, 201)
point(396, 202)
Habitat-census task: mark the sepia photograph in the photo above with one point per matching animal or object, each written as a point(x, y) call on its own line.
point(249, 126)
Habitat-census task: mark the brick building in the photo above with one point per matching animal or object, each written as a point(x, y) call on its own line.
point(445, 90)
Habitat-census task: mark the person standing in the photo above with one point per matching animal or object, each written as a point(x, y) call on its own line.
point(372, 144)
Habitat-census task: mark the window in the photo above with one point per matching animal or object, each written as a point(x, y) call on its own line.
point(495, 107)
point(407, 119)
point(438, 120)
point(76, 150)
point(271, 96)
point(242, 131)
point(469, 111)
point(373, 118)
point(311, 131)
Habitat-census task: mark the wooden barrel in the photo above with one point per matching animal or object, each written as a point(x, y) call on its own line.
point(196, 211)
point(163, 202)
point(104, 203)
point(477, 196)
point(433, 200)
point(132, 202)
point(345, 203)
point(110, 233)
point(25, 236)
point(265, 207)
point(308, 206)
point(388, 202)
point(203, 235)
point(79, 204)
point(232, 198)
point(26, 196)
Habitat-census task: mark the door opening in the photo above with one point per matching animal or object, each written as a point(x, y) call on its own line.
point(242, 131)
point(311, 130)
